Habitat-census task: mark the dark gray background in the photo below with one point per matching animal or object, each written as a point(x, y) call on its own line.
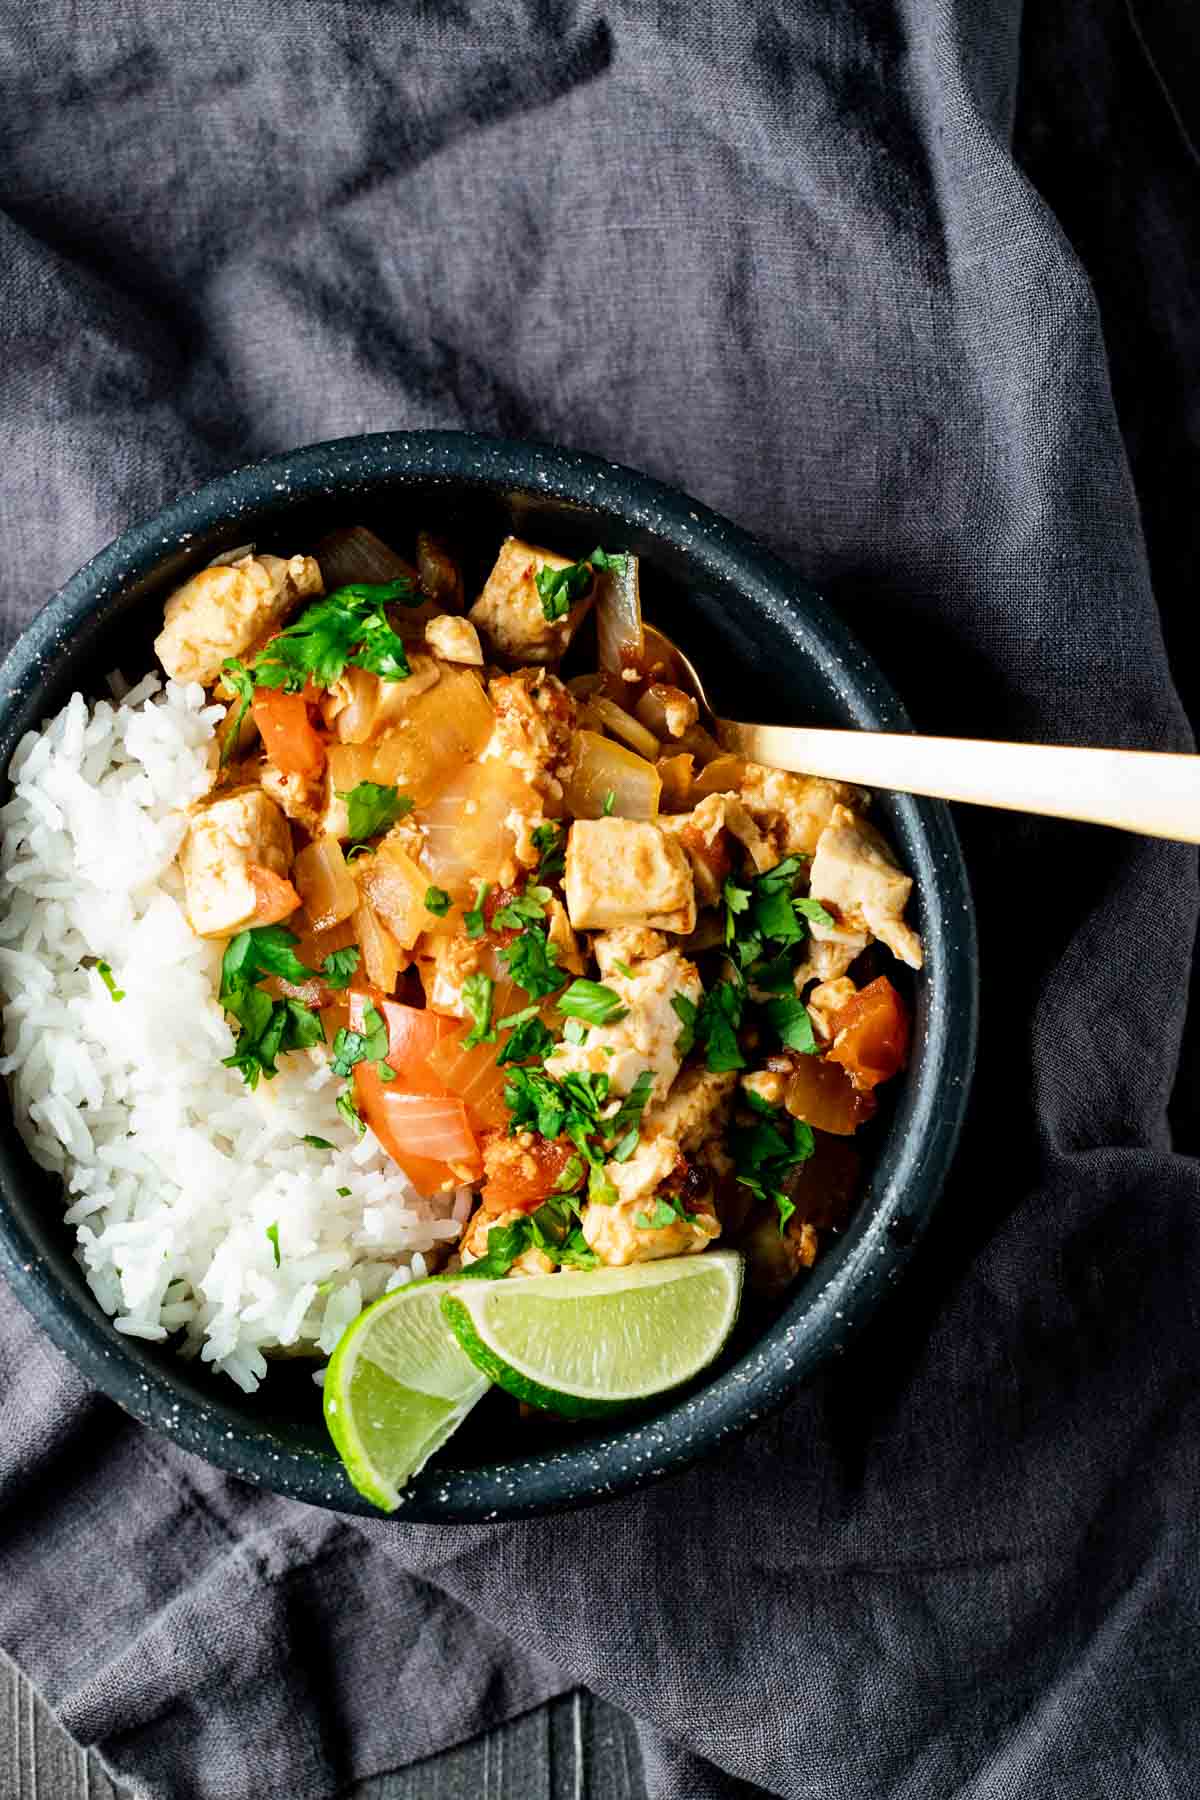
point(910, 289)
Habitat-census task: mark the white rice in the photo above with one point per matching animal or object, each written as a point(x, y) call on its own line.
point(173, 1170)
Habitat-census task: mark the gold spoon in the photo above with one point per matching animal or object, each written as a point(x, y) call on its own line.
point(1153, 792)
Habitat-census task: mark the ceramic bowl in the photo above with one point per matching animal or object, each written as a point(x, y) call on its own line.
point(770, 650)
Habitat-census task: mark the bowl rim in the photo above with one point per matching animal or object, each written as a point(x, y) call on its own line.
point(770, 1370)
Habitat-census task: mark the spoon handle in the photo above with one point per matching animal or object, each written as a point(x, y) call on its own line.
point(1149, 791)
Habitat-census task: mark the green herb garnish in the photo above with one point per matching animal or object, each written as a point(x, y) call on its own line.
point(346, 629)
point(610, 800)
point(238, 677)
point(532, 962)
point(273, 1240)
point(104, 971)
point(266, 1028)
point(685, 1011)
point(667, 1209)
point(372, 808)
point(548, 842)
point(592, 1002)
point(528, 908)
point(788, 1017)
point(437, 901)
point(317, 1143)
point(764, 1154)
point(477, 992)
point(339, 966)
point(474, 921)
point(716, 1026)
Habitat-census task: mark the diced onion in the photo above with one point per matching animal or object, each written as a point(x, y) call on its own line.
point(823, 1095)
point(676, 775)
point(324, 883)
point(602, 768)
point(382, 955)
point(724, 775)
point(619, 618)
point(442, 729)
point(623, 725)
point(468, 837)
point(396, 888)
point(356, 554)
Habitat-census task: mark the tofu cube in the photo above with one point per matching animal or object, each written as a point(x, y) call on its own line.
point(509, 612)
point(454, 639)
point(227, 838)
point(627, 872)
point(225, 611)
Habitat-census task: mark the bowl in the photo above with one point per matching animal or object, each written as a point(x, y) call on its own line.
point(774, 653)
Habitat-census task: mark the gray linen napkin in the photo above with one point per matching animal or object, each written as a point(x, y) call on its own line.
point(910, 290)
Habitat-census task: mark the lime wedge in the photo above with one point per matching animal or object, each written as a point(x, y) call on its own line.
point(396, 1387)
point(585, 1343)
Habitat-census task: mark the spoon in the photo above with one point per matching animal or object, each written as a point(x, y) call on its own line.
point(1156, 793)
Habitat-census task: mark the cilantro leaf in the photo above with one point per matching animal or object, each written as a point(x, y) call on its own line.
point(339, 966)
point(273, 1239)
point(593, 1002)
point(474, 921)
point(604, 560)
point(737, 900)
point(764, 1154)
point(575, 1031)
point(263, 950)
point(477, 992)
point(236, 676)
point(346, 628)
point(788, 1018)
point(349, 1111)
point(373, 808)
point(630, 1111)
point(437, 901)
point(667, 1208)
point(532, 962)
point(775, 917)
point(610, 800)
point(527, 909)
point(624, 1149)
point(685, 1011)
point(548, 842)
point(368, 1045)
point(571, 1176)
point(317, 1143)
point(814, 912)
point(717, 1022)
point(559, 589)
point(528, 1041)
point(104, 971)
point(267, 1027)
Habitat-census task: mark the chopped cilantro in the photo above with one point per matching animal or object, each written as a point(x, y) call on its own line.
point(667, 1208)
point(610, 800)
point(685, 1011)
point(266, 1028)
point(532, 962)
point(369, 1045)
point(575, 1031)
point(437, 901)
point(552, 1229)
point(236, 676)
point(339, 966)
point(348, 628)
point(317, 1143)
point(600, 1188)
point(814, 912)
point(737, 901)
point(474, 921)
point(477, 992)
point(632, 1107)
point(623, 969)
point(343, 1193)
point(528, 908)
point(349, 1111)
point(764, 1154)
point(559, 589)
point(529, 1040)
point(273, 1240)
point(717, 1022)
point(623, 1150)
point(373, 808)
point(104, 971)
point(571, 1176)
point(593, 1002)
point(547, 841)
point(788, 1018)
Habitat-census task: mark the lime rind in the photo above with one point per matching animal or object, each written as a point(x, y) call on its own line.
point(397, 1387)
point(586, 1344)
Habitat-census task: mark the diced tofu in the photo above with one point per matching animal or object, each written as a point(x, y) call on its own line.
point(534, 731)
point(509, 610)
point(768, 1085)
point(696, 1109)
point(828, 954)
point(627, 872)
point(647, 1036)
point(702, 835)
point(761, 851)
point(617, 1238)
point(454, 639)
point(301, 798)
point(651, 1163)
point(225, 611)
point(227, 839)
point(856, 876)
point(628, 944)
point(825, 1001)
point(559, 933)
point(794, 809)
point(444, 964)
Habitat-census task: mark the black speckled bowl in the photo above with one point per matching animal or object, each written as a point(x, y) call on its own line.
point(771, 651)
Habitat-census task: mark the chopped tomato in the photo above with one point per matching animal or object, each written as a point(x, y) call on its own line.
point(871, 1035)
point(822, 1094)
point(275, 898)
point(287, 732)
point(420, 1132)
point(520, 1175)
point(413, 1035)
point(472, 1074)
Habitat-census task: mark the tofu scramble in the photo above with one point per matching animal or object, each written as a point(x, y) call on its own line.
point(630, 992)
